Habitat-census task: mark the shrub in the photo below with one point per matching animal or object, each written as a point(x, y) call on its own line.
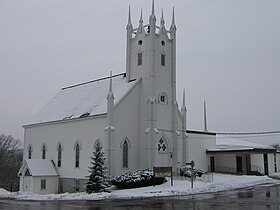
point(135, 179)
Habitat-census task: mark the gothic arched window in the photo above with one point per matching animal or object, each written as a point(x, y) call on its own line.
point(44, 149)
point(59, 152)
point(139, 58)
point(162, 145)
point(77, 155)
point(162, 98)
point(162, 59)
point(29, 151)
point(125, 154)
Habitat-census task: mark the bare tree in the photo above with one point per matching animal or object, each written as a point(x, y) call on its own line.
point(10, 159)
point(8, 145)
point(277, 146)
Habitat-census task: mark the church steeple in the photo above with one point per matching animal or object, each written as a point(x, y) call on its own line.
point(151, 58)
point(150, 46)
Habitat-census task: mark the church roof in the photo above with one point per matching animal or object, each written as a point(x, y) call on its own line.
point(82, 100)
point(227, 144)
point(39, 167)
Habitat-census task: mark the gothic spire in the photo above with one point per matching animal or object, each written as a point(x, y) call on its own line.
point(173, 25)
point(110, 96)
point(184, 101)
point(173, 17)
point(153, 17)
point(162, 19)
point(153, 7)
point(205, 121)
point(141, 18)
point(110, 86)
point(140, 28)
point(184, 109)
point(129, 24)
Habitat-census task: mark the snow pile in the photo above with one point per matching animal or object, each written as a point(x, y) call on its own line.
point(221, 182)
point(275, 175)
point(3, 191)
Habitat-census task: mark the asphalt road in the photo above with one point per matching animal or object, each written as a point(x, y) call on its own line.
point(257, 198)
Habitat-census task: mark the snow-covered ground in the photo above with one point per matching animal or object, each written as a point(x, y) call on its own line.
point(220, 182)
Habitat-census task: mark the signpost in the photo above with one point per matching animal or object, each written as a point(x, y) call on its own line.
point(192, 164)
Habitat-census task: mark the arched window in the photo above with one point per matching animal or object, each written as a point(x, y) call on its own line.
point(29, 152)
point(59, 151)
point(162, 98)
point(139, 58)
point(44, 151)
point(125, 154)
point(162, 59)
point(77, 155)
point(162, 147)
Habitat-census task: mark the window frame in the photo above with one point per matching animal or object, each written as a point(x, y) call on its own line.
point(162, 59)
point(125, 154)
point(77, 155)
point(140, 58)
point(29, 152)
point(59, 155)
point(44, 151)
point(164, 96)
point(43, 184)
point(160, 145)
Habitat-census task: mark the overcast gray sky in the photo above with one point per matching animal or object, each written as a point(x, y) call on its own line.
point(228, 53)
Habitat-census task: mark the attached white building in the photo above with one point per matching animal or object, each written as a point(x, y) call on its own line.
point(242, 157)
point(35, 174)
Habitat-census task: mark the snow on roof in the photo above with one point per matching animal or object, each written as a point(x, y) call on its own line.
point(40, 167)
point(82, 100)
point(230, 143)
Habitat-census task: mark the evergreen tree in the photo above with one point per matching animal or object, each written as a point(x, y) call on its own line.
point(98, 180)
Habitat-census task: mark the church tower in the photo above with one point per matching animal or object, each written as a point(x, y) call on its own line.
point(151, 57)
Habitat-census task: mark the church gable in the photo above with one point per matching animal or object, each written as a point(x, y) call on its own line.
point(82, 100)
point(38, 167)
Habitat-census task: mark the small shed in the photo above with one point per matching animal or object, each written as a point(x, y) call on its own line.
point(39, 176)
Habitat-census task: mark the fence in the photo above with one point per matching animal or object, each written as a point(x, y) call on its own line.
point(206, 178)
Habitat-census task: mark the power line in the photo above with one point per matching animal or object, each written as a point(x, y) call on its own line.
point(248, 133)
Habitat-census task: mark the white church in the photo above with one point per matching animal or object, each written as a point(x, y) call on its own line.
point(134, 115)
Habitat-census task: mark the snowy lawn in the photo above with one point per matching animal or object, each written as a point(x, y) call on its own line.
point(275, 175)
point(220, 182)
